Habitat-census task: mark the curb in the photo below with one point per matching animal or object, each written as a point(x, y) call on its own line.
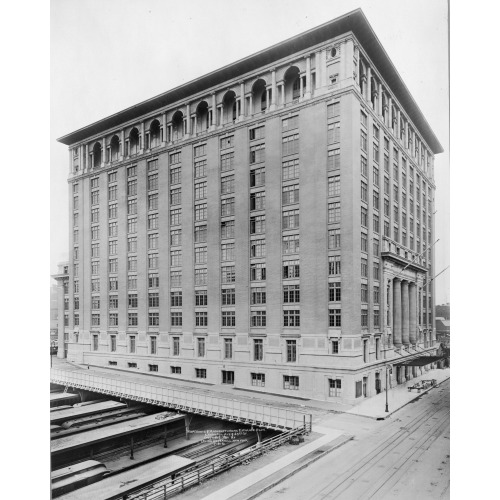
point(384, 417)
point(345, 438)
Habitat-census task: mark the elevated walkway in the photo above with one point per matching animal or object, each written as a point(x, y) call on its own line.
point(205, 401)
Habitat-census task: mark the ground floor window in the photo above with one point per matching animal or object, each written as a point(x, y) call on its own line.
point(227, 377)
point(153, 368)
point(201, 372)
point(258, 379)
point(359, 388)
point(290, 382)
point(335, 386)
point(175, 369)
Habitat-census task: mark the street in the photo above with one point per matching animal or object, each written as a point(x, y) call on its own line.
point(404, 457)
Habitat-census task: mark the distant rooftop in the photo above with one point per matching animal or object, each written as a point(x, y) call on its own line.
point(354, 21)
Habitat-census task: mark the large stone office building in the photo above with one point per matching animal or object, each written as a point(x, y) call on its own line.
point(267, 226)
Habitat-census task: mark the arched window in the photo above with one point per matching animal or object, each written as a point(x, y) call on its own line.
point(229, 101)
point(154, 134)
point(177, 125)
point(292, 84)
point(114, 148)
point(259, 96)
point(97, 155)
point(133, 140)
point(202, 117)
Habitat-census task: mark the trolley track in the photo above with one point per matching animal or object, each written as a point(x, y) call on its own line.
point(336, 487)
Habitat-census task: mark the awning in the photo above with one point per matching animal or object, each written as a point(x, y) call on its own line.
point(420, 361)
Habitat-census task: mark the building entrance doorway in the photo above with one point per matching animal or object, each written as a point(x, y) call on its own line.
point(378, 383)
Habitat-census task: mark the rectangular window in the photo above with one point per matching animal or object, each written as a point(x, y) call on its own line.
point(291, 218)
point(333, 212)
point(95, 342)
point(176, 319)
point(376, 271)
point(364, 191)
point(333, 186)
point(258, 224)
point(113, 343)
point(132, 187)
point(201, 372)
point(333, 132)
point(291, 317)
point(113, 266)
point(257, 272)
point(364, 166)
point(176, 196)
point(132, 207)
point(112, 211)
point(200, 150)
point(200, 169)
point(333, 161)
point(228, 297)
point(153, 368)
point(258, 379)
point(291, 244)
point(291, 269)
point(227, 251)
point(228, 274)
point(257, 133)
point(200, 277)
point(175, 257)
point(364, 242)
point(200, 255)
point(227, 207)
point(334, 265)
point(364, 318)
point(258, 200)
point(132, 225)
point(200, 212)
point(335, 346)
point(200, 190)
point(175, 175)
point(290, 145)
point(334, 317)
point(227, 377)
point(258, 177)
point(175, 158)
point(131, 263)
point(257, 153)
point(257, 319)
point(175, 218)
point(113, 301)
point(335, 387)
point(258, 248)
point(364, 268)
point(152, 182)
point(364, 119)
point(132, 282)
point(227, 161)
point(153, 318)
point(258, 350)
point(291, 382)
point(291, 294)
point(257, 296)
point(200, 347)
point(94, 215)
point(335, 292)
point(227, 229)
point(364, 141)
point(290, 123)
point(175, 370)
point(291, 351)
point(290, 169)
point(334, 238)
point(364, 292)
point(228, 344)
point(200, 298)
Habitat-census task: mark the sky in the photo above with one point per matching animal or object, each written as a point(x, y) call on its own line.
point(108, 55)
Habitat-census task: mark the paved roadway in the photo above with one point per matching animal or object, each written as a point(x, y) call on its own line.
point(405, 457)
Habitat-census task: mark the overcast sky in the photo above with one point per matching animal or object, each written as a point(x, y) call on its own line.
point(107, 55)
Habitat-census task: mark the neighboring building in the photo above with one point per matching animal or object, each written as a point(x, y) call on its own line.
point(53, 314)
point(264, 226)
point(63, 309)
point(443, 311)
point(443, 330)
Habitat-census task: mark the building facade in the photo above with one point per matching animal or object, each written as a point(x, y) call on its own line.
point(267, 226)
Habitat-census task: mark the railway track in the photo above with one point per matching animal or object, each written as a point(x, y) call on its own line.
point(345, 485)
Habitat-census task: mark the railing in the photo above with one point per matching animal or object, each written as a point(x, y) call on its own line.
point(209, 467)
point(188, 400)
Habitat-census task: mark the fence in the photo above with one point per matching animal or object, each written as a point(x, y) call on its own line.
point(205, 469)
point(216, 406)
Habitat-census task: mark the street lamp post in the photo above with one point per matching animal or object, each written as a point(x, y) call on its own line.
point(387, 388)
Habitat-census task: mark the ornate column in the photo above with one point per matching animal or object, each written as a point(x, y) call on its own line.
point(396, 312)
point(164, 123)
point(242, 101)
point(87, 157)
point(301, 82)
point(188, 119)
point(250, 112)
point(379, 100)
point(142, 138)
point(122, 144)
point(307, 94)
point(272, 107)
point(413, 313)
point(214, 111)
point(405, 317)
point(104, 152)
point(399, 123)
point(369, 85)
point(318, 68)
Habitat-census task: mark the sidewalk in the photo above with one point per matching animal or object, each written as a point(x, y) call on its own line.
point(399, 396)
